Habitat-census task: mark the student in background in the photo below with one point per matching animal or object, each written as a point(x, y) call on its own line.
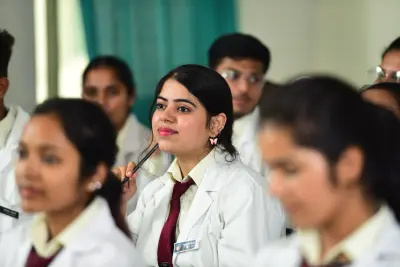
point(243, 61)
point(108, 81)
point(63, 174)
point(209, 208)
point(12, 121)
point(389, 69)
point(384, 94)
point(334, 165)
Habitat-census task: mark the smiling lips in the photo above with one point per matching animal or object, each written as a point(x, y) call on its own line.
point(166, 131)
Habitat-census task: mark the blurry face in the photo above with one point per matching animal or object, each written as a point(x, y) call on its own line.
point(245, 78)
point(300, 178)
point(390, 65)
point(101, 86)
point(382, 98)
point(180, 121)
point(47, 171)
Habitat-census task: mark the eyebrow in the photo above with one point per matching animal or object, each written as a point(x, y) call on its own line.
point(43, 147)
point(179, 100)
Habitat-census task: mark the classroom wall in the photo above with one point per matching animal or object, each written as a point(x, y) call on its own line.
point(336, 36)
point(17, 17)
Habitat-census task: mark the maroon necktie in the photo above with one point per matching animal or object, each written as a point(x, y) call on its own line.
point(333, 264)
point(167, 237)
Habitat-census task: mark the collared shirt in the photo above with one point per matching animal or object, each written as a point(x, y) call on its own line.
point(40, 234)
point(353, 246)
point(6, 125)
point(197, 174)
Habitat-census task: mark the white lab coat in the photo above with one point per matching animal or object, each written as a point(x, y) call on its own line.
point(9, 195)
point(100, 244)
point(230, 217)
point(385, 253)
point(248, 147)
point(136, 141)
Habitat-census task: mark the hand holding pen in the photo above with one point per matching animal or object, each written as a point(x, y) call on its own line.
point(129, 188)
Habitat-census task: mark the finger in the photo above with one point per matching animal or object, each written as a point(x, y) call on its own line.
point(117, 172)
point(129, 168)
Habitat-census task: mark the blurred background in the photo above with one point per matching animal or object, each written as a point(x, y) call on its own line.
point(56, 38)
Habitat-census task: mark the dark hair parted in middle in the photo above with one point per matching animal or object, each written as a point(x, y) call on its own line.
point(118, 66)
point(330, 116)
point(213, 92)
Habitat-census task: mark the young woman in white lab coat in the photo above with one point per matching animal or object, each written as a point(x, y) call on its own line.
point(334, 162)
point(63, 175)
point(108, 81)
point(225, 216)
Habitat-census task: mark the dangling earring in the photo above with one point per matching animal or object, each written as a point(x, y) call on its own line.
point(213, 140)
point(93, 186)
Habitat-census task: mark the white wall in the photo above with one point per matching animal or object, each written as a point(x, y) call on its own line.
point(17, 17)
point(341, 37)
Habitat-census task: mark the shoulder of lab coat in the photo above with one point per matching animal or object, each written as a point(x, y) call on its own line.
point(246, 217)
point(385, 253)
point(247, 144)
point(136, 140)
point(9, 196)
point(101, 244)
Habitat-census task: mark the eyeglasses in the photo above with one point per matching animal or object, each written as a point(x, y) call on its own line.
point(235, 75)
point(385, 75)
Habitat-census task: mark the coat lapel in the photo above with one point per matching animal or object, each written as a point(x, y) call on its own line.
point(202, 200)
point(161, 207)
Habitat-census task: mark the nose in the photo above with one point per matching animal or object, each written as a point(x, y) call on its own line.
point(243, 86)
point(167, 115)
point(275, 185)
point(27, 168)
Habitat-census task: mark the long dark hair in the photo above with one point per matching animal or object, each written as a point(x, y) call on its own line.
point(88, 128)
point(213, 92)
point(329, 115)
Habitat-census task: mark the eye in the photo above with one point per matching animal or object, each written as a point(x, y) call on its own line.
point(50, 159)
point(254, 79)
point(290, 171)
point(230, 75)
point(22, 153)
point(113, 91)
point(159, 106)
point(90, 92)
point(183, 109)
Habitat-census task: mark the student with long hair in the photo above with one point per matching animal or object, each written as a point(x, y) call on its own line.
point(109, 82)
point(334, 162)
point(64, 176)
point(208, 209)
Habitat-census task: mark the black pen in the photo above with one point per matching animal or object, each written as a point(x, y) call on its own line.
point(126, 179)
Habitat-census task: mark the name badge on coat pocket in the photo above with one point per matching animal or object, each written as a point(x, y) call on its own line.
point(8, 212)
point(186, 246)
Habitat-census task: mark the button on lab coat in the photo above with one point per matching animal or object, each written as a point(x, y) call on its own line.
point(230, 217)
point(100, 244)
point(385, 253)
point(9, 195)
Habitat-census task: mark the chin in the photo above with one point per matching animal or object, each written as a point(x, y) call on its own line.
point(30, 206)
point(167, 146)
